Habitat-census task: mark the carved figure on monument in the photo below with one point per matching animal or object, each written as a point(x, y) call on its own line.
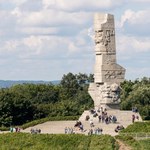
point(107, 73)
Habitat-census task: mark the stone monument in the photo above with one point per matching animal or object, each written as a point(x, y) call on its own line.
point(105, 91)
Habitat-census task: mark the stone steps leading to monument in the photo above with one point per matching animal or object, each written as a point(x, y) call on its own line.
point(123, 118)
point(107, 128)
point(57, 127)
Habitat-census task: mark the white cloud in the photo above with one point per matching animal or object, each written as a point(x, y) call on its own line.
point(126, 16)
point(84, 5)
point(53, 18)
point(39, 30)
point(18, 2)
point(135, 18)
point(47, 46)
point(16, 12)
point(136, 22)
point(51, 37)
point(48, 3)
point(32, 42)
point(137, 44)
point(142, 1)
point(14, 2)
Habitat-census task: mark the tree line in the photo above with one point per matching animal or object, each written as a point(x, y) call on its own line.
point(23, 103)
point(136, 94)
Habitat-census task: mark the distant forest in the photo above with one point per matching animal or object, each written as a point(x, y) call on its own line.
point(9, 83)
point(26, 102)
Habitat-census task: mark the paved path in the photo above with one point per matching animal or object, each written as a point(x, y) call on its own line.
point(52, 127)
point(57, 127)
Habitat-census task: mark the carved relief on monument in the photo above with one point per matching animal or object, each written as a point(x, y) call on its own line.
point(108, 61)
point(112, 74)
point(99, 37)
point(108, 36)
point(109, 93)
point(104, 38)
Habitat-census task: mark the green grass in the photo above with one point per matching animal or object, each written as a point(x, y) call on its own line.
point(135, 144)
point(138, 127)
point(24, 141)
point(145, 144)
point(136, 130)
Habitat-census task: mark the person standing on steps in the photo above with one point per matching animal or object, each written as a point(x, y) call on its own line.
point(133, 118)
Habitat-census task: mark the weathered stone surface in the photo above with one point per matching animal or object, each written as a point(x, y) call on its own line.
point(107, 73)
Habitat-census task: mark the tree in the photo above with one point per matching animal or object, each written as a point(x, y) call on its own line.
point(69, 85)
point(91, 78)
point(137, 94)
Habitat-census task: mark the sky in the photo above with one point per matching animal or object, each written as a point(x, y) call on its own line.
point(45, 39)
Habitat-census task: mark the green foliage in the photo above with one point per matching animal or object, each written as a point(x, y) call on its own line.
point(102, 142)
point(56, 142)
point(135, 144)
point(69, 85)
point(129, 140)
point(24, 103)
point(145, 144)
point(136, 94)
point(14, 108)
point(138, 127)
point(3, 128)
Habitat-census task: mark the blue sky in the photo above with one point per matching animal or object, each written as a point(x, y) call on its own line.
point(44, 39)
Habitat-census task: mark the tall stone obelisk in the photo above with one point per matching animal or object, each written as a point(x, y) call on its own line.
point(105, 91)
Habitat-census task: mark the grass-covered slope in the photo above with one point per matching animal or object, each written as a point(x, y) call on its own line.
point(22, 141)
point(138, 127)
point(143, 144)
point(136, 136)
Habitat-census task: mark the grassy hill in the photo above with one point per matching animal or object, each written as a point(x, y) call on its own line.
point(136, 136)
point(26, 141)
point(138, 127)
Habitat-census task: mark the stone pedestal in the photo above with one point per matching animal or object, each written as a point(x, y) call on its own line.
point(105, 91)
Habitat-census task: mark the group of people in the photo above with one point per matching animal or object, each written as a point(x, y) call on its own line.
point(107, 119)
point(102, 116)
point(134, 117)
point(97, 131)
point(119, 128)
point(15, 129)
point(134, 109)
point(69, 130)
point(79, 125)
point(35, 131)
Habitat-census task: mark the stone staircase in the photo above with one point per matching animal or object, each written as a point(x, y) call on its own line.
point(123, 118)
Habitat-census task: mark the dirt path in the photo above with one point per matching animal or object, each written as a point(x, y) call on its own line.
point(123, 146)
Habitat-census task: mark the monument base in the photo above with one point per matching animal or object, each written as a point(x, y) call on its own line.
point(111, 106)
